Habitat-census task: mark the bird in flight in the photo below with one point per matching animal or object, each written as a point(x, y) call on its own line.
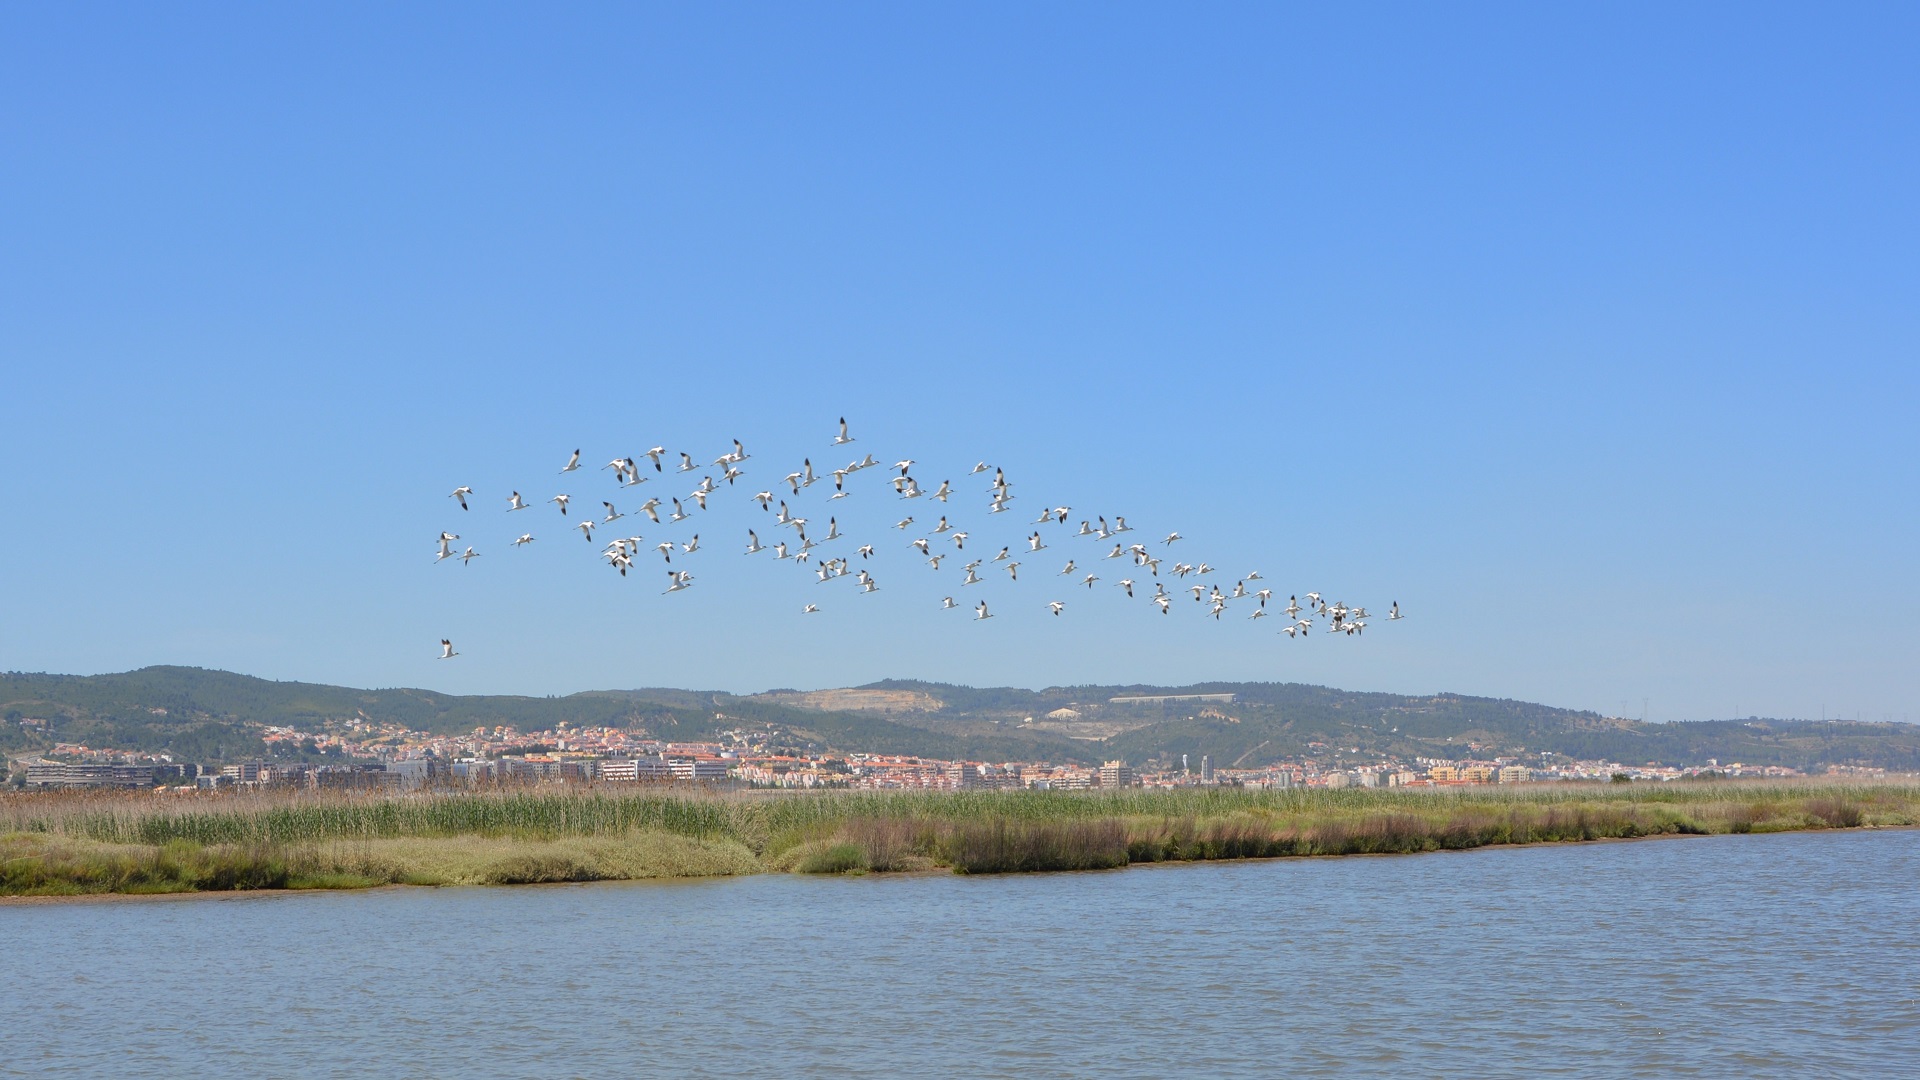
point(620, 554)
point(446, 650)
point(981, 611)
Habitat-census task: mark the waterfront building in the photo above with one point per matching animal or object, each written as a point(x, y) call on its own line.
point(636, 768)
point(412, 773)
point(63, 774)
point(475, 770)
point(698, 768)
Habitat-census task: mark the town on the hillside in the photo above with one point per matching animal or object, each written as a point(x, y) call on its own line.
point(362, 754)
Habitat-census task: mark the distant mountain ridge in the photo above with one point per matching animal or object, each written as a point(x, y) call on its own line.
point(203, 714)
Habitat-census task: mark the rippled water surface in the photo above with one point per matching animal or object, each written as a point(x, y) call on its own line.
point(1794, 955)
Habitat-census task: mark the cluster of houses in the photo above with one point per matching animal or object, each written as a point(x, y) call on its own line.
point(715, 763)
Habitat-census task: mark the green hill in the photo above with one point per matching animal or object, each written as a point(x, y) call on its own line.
point(214, 715)
point(210, 716)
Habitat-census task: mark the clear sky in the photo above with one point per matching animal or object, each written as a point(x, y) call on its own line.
point(1586, 333)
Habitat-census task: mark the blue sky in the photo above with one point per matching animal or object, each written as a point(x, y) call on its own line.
point(1587, 335)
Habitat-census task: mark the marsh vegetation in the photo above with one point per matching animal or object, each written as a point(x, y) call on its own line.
point(55, 844)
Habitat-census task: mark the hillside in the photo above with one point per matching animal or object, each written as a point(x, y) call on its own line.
point(1273, 721)
point(215, 716)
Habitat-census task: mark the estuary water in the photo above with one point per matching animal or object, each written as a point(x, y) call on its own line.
point(1791, 955)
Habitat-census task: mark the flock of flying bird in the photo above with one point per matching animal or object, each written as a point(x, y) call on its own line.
point(1140, 563)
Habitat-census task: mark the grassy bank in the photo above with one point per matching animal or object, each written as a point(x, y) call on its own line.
point(52, 844)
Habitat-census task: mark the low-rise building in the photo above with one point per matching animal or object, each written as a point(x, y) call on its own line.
point(698, 768)
point(636, 768)
point(66, 774)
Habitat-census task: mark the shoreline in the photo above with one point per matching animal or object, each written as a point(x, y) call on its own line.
point(87, 847)
point(36, 900)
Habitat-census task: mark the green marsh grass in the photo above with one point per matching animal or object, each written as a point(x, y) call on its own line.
point(54, 843)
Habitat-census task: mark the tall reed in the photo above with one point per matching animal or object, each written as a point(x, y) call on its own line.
point(970, 831)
